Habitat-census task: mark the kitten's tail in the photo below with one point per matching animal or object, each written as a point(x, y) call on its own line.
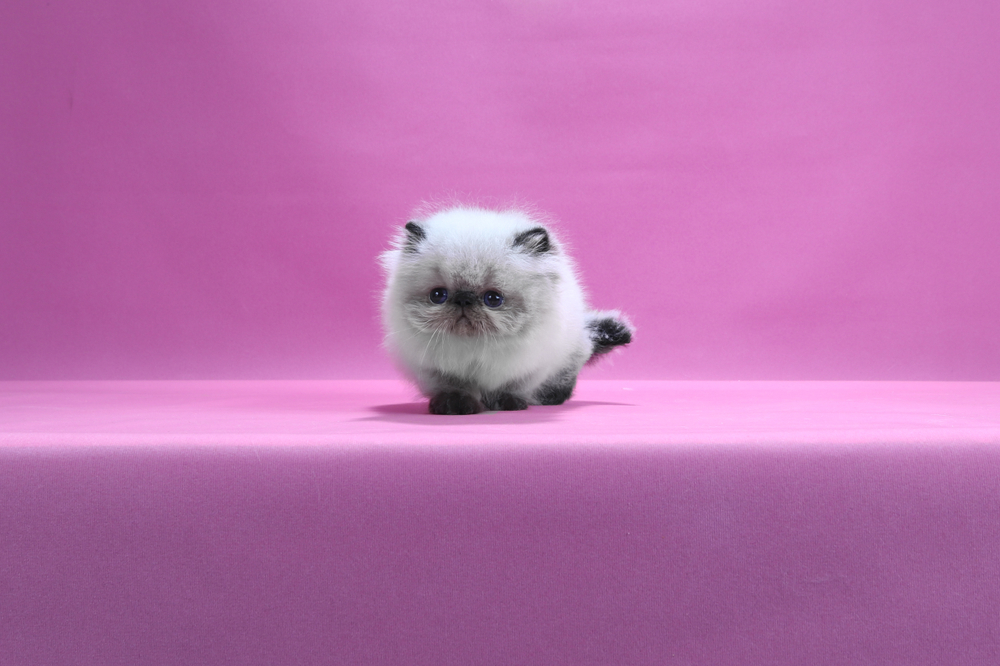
point(608, 329)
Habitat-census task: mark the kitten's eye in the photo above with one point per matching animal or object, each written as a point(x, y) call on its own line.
point(439, 295)
point(493, 299)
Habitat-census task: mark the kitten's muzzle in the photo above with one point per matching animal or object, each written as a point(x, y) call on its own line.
point(464, 299)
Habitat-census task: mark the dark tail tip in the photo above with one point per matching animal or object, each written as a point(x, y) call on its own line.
point(608, 332)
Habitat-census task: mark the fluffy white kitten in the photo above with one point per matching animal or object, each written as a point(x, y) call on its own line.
point(482, 309)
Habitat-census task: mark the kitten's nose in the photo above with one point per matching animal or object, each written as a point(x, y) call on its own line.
point(464, 298)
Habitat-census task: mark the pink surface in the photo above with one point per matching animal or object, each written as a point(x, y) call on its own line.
point(331, 522)
point(605, 414)
point(773, 190)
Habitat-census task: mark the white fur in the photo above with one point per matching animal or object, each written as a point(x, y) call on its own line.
point(474, 246)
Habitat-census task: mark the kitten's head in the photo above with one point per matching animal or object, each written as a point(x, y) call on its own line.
point(471, 272)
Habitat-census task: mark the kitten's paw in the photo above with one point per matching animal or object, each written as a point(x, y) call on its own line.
point(506, 402)
point(557, 389)
point(554, 394)
point(454, 402)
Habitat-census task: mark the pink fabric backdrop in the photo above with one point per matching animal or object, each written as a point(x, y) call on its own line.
point(771, 189)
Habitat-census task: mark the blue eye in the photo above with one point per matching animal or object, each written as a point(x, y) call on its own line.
point(493, 299)
point(439, 295)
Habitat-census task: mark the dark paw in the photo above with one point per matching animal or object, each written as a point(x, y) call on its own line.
point(507, 402)
point(557, 391)
point(454, 402)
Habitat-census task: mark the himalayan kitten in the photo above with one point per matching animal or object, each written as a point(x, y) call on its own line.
point(482, 309)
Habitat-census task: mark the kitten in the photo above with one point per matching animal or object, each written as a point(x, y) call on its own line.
point(482, 309)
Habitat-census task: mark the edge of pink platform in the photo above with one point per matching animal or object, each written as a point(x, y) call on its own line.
point(601, 413)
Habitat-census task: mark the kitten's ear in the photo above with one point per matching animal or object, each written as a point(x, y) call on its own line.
point(533, 241)
point(414, 235)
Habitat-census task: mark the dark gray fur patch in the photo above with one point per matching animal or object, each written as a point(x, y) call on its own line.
point(557, 389)
point(503, 401)
point(533, 241)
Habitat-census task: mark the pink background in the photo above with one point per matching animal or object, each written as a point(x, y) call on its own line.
point(773, 189)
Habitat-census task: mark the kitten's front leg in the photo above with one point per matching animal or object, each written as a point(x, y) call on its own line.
point(454, 402)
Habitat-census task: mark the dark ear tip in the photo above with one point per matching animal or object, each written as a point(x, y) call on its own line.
point(414, 234)
point(535, 240)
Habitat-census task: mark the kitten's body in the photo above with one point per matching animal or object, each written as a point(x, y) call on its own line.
point(465, 351)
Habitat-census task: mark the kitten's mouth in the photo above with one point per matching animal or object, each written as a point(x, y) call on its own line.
point(465, 326)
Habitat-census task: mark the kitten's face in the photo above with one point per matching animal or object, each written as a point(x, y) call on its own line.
point(465, 302)
point(469, 284)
